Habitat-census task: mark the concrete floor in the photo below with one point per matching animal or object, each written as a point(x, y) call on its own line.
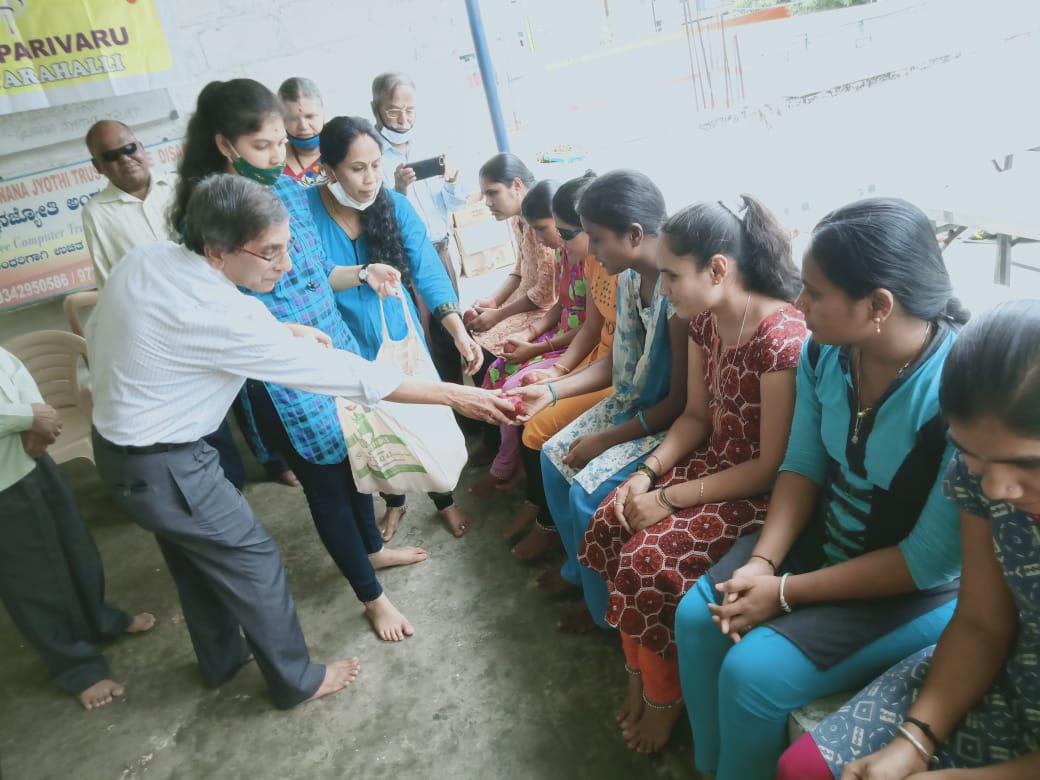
point(487, 688)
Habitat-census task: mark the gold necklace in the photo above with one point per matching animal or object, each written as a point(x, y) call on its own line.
point(717, 389)
point(862, 413)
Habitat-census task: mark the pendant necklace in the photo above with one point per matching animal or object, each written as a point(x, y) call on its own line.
point(861, 413)
point(717, 389)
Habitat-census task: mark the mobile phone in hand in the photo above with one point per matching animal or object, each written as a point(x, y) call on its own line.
point(424, 169)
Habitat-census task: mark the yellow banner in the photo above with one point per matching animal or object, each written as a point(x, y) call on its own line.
point(50, 46)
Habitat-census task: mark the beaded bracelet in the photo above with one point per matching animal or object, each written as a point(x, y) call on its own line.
point(642, 468)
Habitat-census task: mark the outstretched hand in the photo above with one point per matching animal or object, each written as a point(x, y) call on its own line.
point(384, 279)
point(535, 398)
point(307, 332)
point(485, 405)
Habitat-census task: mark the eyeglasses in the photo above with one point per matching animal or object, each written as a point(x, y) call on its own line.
point(569, 234)
point(398, 114)
point(272, 259)
point(111, 155)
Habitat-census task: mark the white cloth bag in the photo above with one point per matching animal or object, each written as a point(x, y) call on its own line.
point(401, 448)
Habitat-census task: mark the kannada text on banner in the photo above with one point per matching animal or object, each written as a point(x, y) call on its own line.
point(42, 251)
point(63, 51)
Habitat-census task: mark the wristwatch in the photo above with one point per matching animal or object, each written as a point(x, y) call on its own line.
point(363, 273)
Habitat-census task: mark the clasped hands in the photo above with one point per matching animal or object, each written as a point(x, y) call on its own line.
point(750, 598)
point(46, 428)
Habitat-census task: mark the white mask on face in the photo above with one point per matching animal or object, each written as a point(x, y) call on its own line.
point(396, 136)
point(345, 200)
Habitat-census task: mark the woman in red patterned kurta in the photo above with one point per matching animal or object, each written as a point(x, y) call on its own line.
point(707, 483)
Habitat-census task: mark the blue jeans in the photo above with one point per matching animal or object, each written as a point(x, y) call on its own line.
point(344, 518)
point(739, 695)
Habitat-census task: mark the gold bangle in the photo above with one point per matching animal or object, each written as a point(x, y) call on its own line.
point(700, 497)
point(663, 500)
point(563, 368)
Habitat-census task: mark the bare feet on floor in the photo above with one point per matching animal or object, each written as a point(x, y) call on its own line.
point(653, 729)
point(100, 693)
point(143, 621)
point(521, 521)
point(539, 540)
point(391, 519)
point(631, 709)
point(389, 624)
point(577, 620)
point(338, 675)
point(397, 556)
point(552, 583)
point(457, 520)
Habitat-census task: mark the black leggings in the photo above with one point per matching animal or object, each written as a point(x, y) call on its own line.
point(440, 500)
point(532, 460)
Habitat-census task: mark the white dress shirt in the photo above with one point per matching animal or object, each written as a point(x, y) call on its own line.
point(114, 222)
point(172, 340)
point(18, 392)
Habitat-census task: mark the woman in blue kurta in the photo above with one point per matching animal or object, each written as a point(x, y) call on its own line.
point(238, 128)
point(359, 223)
point(854, 567)
point(970, 706)
point(622, 213)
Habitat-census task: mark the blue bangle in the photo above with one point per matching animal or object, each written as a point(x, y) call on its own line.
point(642, 420)
point(553, 391)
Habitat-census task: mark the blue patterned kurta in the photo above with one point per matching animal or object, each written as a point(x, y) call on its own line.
point(304, 295)
point(1005, 723)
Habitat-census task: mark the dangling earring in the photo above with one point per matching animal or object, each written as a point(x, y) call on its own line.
point(877, 325)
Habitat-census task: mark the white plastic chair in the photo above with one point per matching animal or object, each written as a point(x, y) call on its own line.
point(52, 358)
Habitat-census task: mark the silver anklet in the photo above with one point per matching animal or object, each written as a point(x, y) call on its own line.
point(655, 706)
point(549, 529)
point(631, 671)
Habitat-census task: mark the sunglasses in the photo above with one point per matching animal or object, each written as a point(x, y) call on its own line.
point(569, 234)
point(111, 155)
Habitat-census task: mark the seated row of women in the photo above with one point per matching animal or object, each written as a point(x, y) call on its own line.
point(687, 424)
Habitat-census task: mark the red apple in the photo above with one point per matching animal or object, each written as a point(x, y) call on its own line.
point(518, 406)
point(508, 348)
point(469, 315)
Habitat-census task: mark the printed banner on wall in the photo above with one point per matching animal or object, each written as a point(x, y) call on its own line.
point(42, 251)
point(56, 52)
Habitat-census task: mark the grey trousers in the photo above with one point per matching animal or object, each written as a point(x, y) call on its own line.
point(226, 566)
point(51, 580)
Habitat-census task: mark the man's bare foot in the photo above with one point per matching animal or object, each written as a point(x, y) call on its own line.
point(390, 625)
point(143, 621)
point(631, 709)
point(100, 693)
point(287, 478)
point(552, 583)
point(539, 540)
point(397, 556)
point(577, 621)
point(457, 520)
point(521, 521)
point(338, 675)
point(651, 732)
point(391, 519)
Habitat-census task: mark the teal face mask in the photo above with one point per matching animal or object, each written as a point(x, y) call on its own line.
point(265, 176)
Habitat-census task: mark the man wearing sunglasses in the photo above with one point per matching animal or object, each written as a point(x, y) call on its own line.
point(132, 209)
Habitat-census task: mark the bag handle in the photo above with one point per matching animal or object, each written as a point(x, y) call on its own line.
point(412, 333)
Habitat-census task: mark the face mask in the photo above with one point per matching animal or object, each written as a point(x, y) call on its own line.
point(345, 200)
point(265, 176)
point(395, 136)
point(305, 144)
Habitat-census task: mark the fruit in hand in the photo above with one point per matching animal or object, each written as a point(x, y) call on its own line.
point(468, 316)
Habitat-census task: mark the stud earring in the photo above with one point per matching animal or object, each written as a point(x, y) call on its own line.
point(877, 325)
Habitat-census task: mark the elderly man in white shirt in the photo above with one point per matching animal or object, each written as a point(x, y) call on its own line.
point(133, 208)
point(51, 579)
point(171, 343)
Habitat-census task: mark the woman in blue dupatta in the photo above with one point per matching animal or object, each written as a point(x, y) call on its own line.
point(621, 212)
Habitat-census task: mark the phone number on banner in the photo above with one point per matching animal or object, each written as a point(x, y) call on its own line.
point(47, 285)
